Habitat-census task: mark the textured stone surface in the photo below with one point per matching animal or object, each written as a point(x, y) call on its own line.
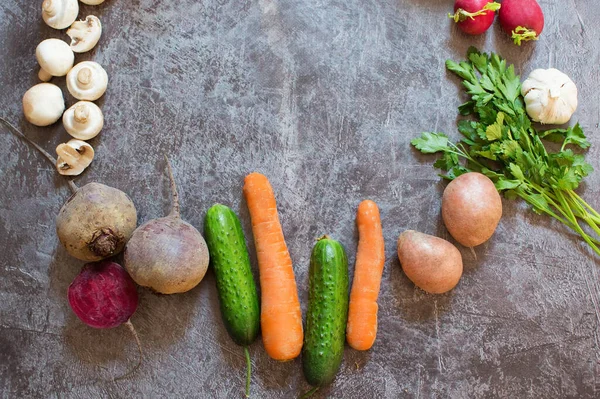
point(323, 97)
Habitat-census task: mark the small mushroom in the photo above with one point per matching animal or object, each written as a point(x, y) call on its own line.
point(85, 34)
point(43, 104)
point(87, 81)
point(60, 14)
point(92, 2)
point(55, 58)
point(84, 120)
point(73, 157)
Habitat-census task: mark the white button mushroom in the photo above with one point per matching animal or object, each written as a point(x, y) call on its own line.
point(92, 2)
point(43, 104)
point(55, 58)
point(84, 120)
point(85, 34)
point(550, 96)
point(73, 157)
point(60, 14)
point(87, 81)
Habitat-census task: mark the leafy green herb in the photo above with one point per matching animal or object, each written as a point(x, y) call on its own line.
point(501, 143)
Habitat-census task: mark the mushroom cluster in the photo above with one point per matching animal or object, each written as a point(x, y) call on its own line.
point(44, 104)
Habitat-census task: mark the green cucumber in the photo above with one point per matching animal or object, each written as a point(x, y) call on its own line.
point(230, 262)
point(327, 312)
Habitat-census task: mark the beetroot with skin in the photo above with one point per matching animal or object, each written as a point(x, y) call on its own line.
point(472, 17)
point(523, 20)
point(167, 255)
point(103, 295)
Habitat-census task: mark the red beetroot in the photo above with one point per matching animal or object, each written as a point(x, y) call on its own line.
point(523, 20)
point(474, 16)
point(103, 295)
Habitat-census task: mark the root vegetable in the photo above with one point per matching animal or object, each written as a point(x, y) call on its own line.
point(471, 208)
point(96, 221)
point(104, 296)
point(523, 20)
point(370, 259)
point(474, 16)
point(431, 263)
point(167, 255)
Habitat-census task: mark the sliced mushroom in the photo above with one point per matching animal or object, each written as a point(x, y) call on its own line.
point(55, 58)
point(92, 2)
point(43, 104)
point(87, 81)
point(73, 157)
point(60, 14)
point(85, 34)
point(84, 120)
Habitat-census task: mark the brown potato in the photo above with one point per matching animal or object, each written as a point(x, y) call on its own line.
point(432, 263)
point(471, 208)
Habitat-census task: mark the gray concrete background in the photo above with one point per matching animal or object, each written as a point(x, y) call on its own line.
point(323, 97)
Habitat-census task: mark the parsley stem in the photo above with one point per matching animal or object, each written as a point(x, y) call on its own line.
point(581, 200)
point(578, 228)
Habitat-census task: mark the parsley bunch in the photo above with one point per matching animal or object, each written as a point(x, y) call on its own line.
point(502, 144)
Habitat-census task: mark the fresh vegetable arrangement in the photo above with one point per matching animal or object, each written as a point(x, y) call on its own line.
point(503, 144)
point(501, 151)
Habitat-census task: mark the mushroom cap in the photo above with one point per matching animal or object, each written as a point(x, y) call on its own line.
point(84, 120)
point(43, 104)
point(92, 2)
point(73, 157)
point(85, 34)
point(55, 56)
point(87, 81)
point(60, 14)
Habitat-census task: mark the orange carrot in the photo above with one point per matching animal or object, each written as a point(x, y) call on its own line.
point(281, 317)
point(370, 257)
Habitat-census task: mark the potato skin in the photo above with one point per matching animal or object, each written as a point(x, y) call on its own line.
point(471, 208)
point(431, 263)
point(96, 222)
point(167, 255)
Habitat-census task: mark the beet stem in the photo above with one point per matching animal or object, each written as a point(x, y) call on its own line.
point(17, 132)
point(175, 212)
point(139, 345)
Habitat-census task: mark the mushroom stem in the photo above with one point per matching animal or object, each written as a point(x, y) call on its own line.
point(81, 113)
point(44, 75)
point(17, 132)
point(84, 76)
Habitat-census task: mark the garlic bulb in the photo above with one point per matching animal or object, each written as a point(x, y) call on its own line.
point(550, 96)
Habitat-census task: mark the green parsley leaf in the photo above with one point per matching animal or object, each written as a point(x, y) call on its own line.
point(430, 143)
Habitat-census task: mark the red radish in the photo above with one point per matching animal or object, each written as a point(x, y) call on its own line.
point(474, 16)
point(523, 20)
point(104, 296)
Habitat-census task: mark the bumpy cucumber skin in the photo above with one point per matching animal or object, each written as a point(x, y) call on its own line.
point(229, 259)
point(327, 312)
